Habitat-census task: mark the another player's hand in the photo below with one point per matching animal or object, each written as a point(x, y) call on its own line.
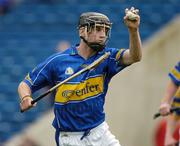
point(26, 103)
point(164, 109)
point(132, 18)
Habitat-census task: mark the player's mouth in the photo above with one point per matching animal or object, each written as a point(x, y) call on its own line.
point(101, 41)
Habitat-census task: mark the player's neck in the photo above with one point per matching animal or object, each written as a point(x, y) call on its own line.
point(85, 51)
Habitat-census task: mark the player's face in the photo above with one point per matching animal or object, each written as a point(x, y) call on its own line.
point(98, 33)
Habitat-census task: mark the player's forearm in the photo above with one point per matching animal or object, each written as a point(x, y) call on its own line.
point(24, 90)
point(170, 92)
point(135, 45)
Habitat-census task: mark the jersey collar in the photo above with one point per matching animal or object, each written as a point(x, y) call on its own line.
point(74, 50)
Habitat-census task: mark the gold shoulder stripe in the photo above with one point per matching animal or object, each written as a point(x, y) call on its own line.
point(119, 53)
point(176, 73)
point(28, 78)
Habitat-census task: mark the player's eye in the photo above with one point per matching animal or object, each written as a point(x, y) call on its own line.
point(99, 28)
point(107, 30)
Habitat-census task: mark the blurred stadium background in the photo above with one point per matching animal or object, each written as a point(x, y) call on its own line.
point(32, 30)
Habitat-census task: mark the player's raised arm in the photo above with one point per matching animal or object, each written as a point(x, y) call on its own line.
point(132, 21)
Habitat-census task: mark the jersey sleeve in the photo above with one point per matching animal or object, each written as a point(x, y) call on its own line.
point(40, 76)
point(175, 74)
point(175, 77)
point(115, 61)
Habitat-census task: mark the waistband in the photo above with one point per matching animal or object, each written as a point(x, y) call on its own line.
point(99, 127)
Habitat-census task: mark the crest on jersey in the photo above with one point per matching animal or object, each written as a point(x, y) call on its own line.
point(69, 71)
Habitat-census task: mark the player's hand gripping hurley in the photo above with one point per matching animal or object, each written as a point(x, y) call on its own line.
point(171, 111)
point(89, 67)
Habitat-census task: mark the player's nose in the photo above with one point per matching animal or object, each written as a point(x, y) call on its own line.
point(102, 34)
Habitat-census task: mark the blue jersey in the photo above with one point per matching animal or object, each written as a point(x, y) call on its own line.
point(175, 77)
point(79, 103)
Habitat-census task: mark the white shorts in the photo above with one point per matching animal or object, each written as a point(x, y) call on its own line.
point(98, 136)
